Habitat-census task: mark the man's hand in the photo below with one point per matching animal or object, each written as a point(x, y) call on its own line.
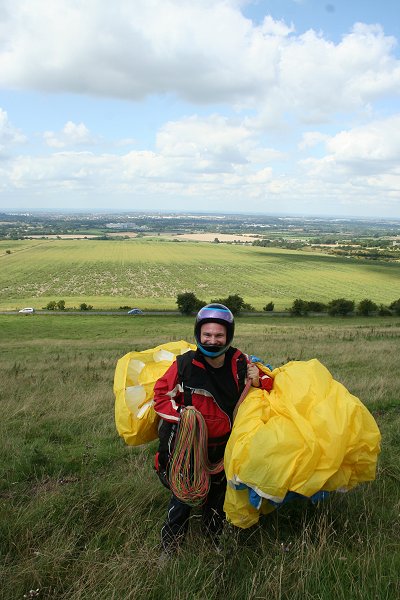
point(253, 374)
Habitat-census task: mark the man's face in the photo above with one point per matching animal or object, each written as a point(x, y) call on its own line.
point(213, 334)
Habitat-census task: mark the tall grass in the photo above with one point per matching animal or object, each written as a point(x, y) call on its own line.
point(81, 512)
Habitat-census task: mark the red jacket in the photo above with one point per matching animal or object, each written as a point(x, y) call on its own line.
point(196, 387)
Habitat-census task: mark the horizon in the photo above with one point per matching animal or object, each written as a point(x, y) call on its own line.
point(191, 213)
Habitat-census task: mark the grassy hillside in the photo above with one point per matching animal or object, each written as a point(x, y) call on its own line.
point(80, 512)
point(150, 273)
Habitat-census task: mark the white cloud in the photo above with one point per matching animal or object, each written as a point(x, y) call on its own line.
point(378, 141)
point(311, 139)
point(319, 78)
point(253, 89)
point(145, 179)
point(191, 155)
point(371, 148)
point(61, 170)
point(202, 147)
point(9, 135)
point(361, 167)
point(221, 163)
point(276, 28)
point(73, 134)
point(207, 138)
point(262, 176)
point(202, 51)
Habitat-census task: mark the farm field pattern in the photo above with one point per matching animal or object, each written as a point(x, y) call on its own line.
point(151, 272)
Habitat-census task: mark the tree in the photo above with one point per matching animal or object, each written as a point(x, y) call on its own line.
point(188, 303)
point(235, 303)
point(299, 308)
point(314, 306)
point(84, 306)
point(248, 307)
point(384, 311)
point(269, 307)
point(366, 307)
point(8, 251)
point(51, 305)
point(61, 305)
point(340, 307)
point(395, 306)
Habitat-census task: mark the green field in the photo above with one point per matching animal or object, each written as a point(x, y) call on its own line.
point(80, 512)
point(149, 273)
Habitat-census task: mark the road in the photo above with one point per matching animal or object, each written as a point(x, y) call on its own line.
point(165, 313)
point(89, 312)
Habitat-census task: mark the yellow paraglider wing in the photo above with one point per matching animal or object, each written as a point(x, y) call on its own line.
point(308, 434)
point(135, 376)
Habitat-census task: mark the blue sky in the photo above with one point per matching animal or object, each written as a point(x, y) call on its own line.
point(277, 106)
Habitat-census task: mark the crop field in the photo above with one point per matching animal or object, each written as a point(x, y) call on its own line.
point(149, 273)
point(80, 512)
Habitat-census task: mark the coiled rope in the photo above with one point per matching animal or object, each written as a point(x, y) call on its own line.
point(189, 467)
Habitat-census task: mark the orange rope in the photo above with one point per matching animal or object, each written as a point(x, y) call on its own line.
point(189, 467)
point(189, 475)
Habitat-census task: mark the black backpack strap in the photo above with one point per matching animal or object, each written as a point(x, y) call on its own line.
point(184, 362)
point(167, 431)
point(166, 434)
point(241, 371)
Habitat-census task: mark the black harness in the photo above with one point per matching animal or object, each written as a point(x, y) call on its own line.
point(188, 373)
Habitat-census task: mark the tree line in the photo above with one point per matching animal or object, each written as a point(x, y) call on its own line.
point(60, 305)
point(188, 303)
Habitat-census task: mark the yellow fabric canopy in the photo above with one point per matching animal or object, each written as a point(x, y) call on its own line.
point(135, 376)
point(308, 434)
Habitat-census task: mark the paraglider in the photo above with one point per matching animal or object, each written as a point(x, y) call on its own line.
point(308, 437)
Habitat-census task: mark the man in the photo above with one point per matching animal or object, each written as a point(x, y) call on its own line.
point(211, 379)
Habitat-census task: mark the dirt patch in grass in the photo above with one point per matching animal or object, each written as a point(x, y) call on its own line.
point(210, 237)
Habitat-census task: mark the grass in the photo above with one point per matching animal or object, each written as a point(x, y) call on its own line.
point(81, 512)
point(149, 273)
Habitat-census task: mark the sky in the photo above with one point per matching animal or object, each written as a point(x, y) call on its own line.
point(273, 107)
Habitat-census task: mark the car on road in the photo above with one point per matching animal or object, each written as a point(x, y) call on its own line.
point(27, 311)
point(135, 311)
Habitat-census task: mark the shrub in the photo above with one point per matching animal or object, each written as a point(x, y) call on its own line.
point(53, 305)
point(235, 303)
point(84, 306)
point(314, 306)
point(269, 307)
point(188, 303)
point(248, 307)
point(299, 308)
point(340, 307)
point(395, 306)
point(366, 307)
point(384, 311)
point(50, 305)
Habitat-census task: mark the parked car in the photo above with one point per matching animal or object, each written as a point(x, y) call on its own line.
point(135, 311)
point(27, 311)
